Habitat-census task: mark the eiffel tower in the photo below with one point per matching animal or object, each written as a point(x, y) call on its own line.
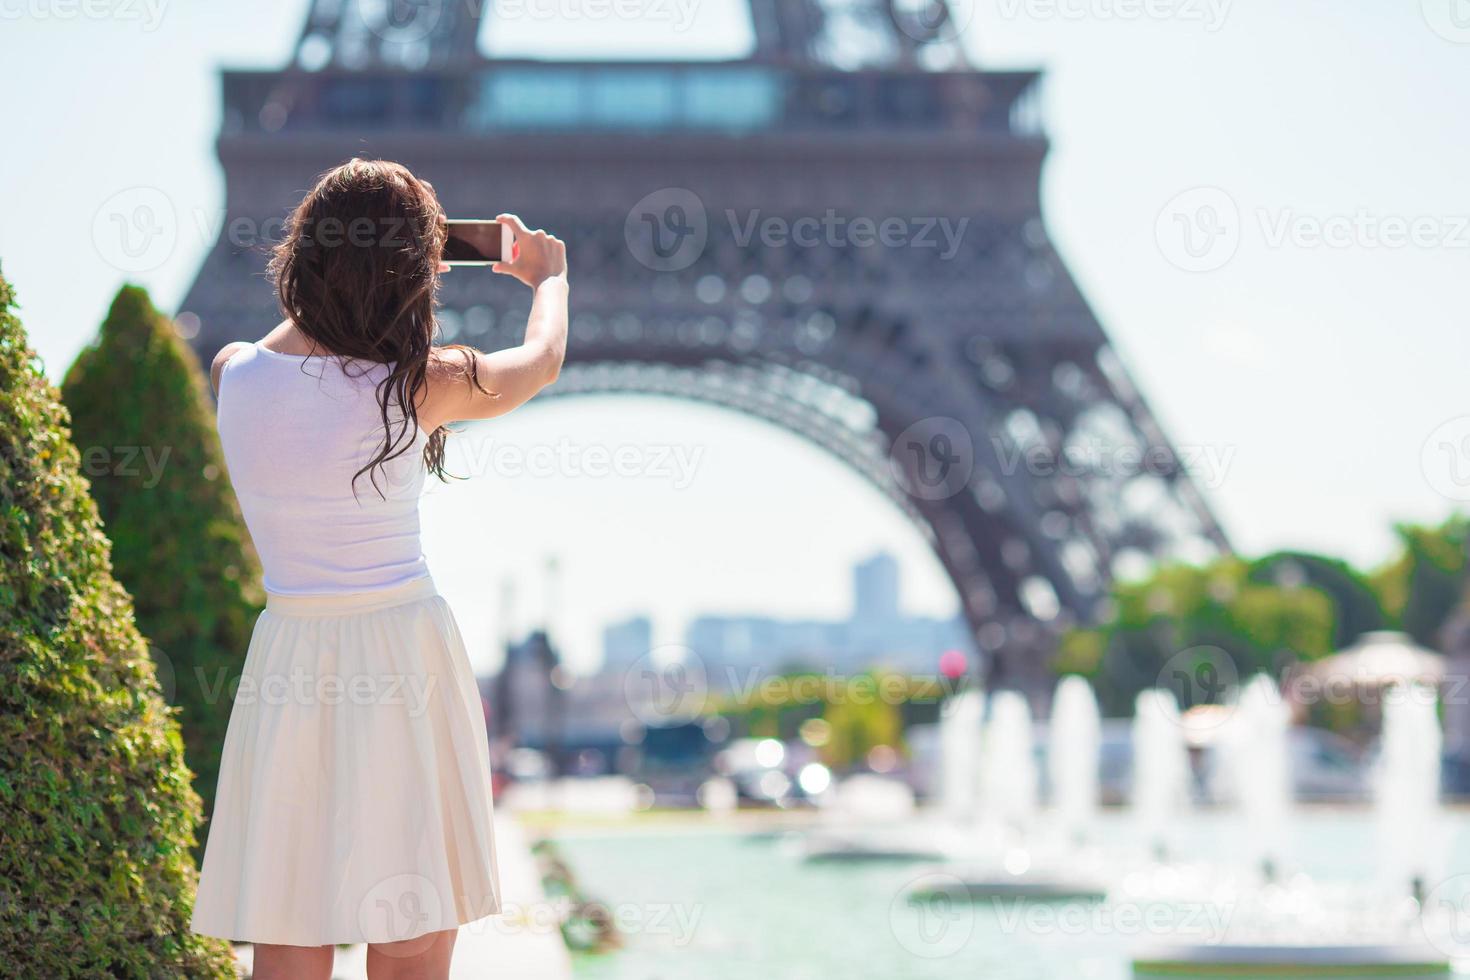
point(839, 234)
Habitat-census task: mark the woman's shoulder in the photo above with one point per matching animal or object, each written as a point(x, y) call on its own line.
point(233, 352)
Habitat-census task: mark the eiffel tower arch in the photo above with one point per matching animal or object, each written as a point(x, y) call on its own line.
point(839, 234)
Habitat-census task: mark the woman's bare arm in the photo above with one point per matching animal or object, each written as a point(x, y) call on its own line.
point(511, 377)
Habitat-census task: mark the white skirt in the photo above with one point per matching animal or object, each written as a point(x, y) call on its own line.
point(354, 793)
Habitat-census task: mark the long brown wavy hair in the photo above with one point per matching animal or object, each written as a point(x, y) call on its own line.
point(357, 272)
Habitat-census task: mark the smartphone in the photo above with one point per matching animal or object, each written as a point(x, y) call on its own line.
point(472, 242)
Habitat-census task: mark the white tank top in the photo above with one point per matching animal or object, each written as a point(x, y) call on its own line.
point(295, 429)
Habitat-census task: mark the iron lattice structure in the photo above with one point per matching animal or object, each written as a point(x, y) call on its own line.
point(960, 371)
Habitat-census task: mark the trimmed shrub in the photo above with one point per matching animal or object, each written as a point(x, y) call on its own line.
point(144, 423)
point(97, 813)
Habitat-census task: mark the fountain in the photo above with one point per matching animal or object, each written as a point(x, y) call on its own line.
point(1258, 763)
point(851, 835)
point(959, 759)
point(1161, 775)
point(1406, 790)
point(1325, 941)
point(1008, 777)
point(1008, 807)
point(1075, 747)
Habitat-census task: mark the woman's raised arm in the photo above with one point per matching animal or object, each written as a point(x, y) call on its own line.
point(465, 384)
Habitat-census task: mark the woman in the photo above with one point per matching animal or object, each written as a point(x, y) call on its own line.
point(354, 794)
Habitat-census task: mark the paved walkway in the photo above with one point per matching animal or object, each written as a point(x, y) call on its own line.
point(523, 944)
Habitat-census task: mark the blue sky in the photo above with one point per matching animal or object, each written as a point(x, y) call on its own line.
point(1319, 351)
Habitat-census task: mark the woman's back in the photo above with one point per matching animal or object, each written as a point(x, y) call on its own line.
point(296, 431)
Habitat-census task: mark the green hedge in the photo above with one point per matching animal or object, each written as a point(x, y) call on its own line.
point(144, 423)
point(97, 815)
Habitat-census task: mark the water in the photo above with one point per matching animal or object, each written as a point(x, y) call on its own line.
point(1406, 790)
point(1008, 777)
point(1258, 764)
point(718, 906)
point(1072, 758)
point(959, 745)
point(1161, 774)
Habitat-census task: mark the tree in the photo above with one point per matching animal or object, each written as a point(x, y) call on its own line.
point(1424, 586)
point(143, 419)
point(96, 806)
point(1356, 607)
point(1197, 630)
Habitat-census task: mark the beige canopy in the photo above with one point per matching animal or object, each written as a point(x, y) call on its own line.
point(1379, 659)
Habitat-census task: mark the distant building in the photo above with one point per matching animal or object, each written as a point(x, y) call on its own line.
point(876, 634)
point(587, 724)
point(625, 643)
point(875, 589)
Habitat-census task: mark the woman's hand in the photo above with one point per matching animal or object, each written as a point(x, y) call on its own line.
point(536, 256)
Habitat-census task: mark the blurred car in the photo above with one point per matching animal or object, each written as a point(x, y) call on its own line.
point(672, 761)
